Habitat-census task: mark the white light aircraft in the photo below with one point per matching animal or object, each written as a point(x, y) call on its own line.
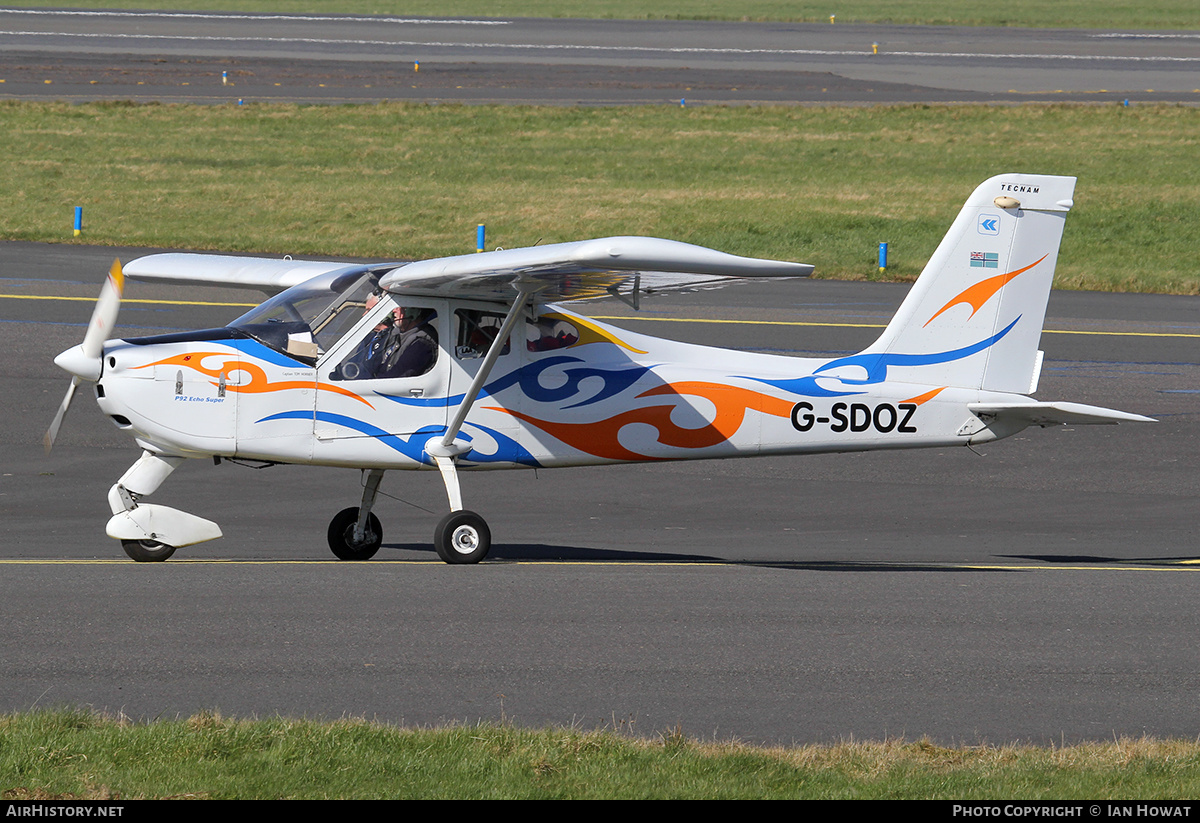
point(465, 363)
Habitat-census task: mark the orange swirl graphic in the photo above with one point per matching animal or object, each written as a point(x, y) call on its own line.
point(601, 438)
point(258, 383)
point(981, 292)
point(922, 398)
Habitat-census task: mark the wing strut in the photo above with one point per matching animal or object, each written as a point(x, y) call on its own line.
point(445, 451)
point(485, 371)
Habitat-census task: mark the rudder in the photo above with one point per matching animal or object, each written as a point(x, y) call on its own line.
point(974, 317)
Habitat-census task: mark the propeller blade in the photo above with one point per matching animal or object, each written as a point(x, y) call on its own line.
point(104, 316)
point(84, 361)
point(52, 432)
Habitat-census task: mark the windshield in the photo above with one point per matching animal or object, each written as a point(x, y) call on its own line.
point(306, 320)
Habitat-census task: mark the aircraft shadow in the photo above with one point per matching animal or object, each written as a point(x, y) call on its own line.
point(1094, 559)
point(542, 552)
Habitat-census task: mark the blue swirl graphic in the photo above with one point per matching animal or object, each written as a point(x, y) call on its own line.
point(528, 379)
point(508, 450)
point(876, 366)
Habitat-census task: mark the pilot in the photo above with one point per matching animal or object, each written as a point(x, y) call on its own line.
point(403, 344)
point(409, 347)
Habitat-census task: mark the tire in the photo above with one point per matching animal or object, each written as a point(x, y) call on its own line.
point(341, 536)
point(147, 551)
point(462, 537)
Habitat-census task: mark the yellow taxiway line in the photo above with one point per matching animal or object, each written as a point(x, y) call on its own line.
point(626, 317)
point(869, 325)
point(798, 565)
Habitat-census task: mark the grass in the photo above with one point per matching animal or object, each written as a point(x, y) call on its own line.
point(1107, 14)
point(72, 754)
point(820, 185)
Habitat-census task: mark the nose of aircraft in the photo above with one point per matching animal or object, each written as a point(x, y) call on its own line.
point(77, 362)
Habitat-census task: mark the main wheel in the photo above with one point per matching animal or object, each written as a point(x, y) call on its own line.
point(462, 537)
point(341, 536)
point(147, 551)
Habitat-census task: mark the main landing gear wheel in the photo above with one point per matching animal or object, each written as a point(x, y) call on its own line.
point(462, 537)
point(341, 536)
point(147, 551)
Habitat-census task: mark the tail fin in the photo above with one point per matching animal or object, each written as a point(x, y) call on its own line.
point(974, 317)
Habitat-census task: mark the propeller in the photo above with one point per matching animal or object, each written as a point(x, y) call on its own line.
point(86, 361)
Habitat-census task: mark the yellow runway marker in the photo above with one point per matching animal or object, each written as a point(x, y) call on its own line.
point(192, 561)
point(800, 565)
point(1174, 567)
point(740, 322)
point(871, 325)
point(619, 318)
point(1124, 333)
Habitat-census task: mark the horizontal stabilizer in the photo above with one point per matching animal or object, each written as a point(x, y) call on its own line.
point(1054, 414)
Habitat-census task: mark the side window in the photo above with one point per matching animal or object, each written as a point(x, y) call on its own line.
point(403, 344)
point(549, 333)
point(476, 331)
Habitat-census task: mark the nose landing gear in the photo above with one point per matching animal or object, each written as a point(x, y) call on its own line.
point(147, 551)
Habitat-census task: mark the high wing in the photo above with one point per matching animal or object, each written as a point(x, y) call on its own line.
point(583, 269)
point(270, 275)
point(564, 271)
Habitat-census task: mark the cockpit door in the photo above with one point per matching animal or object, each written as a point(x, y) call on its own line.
point(383, 388)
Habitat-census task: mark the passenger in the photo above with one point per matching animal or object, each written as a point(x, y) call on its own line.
point(550, 333)
point(372, 300)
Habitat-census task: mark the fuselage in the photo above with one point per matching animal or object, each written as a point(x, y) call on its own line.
point(568, 391)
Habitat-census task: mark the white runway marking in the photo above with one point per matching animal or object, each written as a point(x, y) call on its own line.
point(638, 49)
point(243, 17)
point(1121, 35)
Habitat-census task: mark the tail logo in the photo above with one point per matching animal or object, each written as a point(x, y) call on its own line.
point(975, 296)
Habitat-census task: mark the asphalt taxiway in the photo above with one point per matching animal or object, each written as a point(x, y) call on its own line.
point(64, 54)
point(1042, 590)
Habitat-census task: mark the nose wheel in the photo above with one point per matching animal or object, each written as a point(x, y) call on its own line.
point(147, 551)
point(462, 537)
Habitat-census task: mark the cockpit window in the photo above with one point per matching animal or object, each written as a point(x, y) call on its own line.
point(307, 320)
point(403, 344)
point(476, 331)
